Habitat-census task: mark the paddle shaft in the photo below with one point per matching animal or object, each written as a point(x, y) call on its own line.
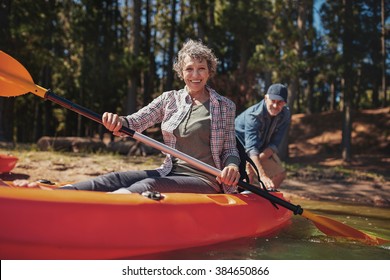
point(296, 209)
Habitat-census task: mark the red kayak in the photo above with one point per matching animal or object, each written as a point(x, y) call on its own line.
point(48, 224)
point(7, 163)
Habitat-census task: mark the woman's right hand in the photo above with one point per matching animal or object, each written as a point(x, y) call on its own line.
point(113, 123)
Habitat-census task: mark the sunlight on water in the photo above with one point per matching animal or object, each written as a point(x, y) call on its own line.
point(303, 241)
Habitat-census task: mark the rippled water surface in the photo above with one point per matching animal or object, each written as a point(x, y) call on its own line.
point(302, 240)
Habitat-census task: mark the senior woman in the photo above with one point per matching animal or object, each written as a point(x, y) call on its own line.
point(195, 120)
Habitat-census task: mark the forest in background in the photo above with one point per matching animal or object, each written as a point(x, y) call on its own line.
point(117, 56)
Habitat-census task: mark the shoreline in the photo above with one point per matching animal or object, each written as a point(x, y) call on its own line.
point(365, 193)
point(322, 183)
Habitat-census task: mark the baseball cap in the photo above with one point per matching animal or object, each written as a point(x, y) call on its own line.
point(277, 92)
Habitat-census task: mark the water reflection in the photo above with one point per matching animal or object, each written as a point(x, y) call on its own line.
point(302, 240)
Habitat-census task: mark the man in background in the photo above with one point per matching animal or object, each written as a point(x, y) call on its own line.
point(261, 128)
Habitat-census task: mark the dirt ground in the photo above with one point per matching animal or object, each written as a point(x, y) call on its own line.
point(315, 168)
point(322, 174)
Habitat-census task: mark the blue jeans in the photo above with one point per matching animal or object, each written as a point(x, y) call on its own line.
point(145, 180)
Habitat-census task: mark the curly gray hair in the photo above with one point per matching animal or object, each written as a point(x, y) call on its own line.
point(195, 49)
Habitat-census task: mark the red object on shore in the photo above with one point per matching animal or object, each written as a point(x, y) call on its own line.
point(7, 163)
point(55, 224)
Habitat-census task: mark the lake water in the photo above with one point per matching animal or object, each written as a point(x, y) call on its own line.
point(301, 240)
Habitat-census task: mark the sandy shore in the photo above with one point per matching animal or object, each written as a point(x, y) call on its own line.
point(66, 167)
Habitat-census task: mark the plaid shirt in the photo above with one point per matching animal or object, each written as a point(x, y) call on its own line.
point(171, 107)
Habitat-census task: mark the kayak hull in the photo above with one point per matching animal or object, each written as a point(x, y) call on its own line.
point(43, 224)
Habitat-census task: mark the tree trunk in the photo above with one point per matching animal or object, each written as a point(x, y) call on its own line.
point(131, 104)
point(310, 74)
point(148, 74)
point(332, 95)
point(6, 116)
point(294, 88)
point(6, 119)
point(169, 82)
point(347, 59)
point(383, 43)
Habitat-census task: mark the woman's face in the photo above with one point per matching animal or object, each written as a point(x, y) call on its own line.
point(195, 74)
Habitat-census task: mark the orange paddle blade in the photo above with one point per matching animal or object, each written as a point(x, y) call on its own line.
point(334, 228)
point(15, 79)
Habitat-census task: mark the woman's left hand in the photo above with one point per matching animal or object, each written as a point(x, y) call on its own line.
point(22, 183)
point(230, 176)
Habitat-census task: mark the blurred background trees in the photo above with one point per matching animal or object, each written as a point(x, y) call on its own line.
point(117, 56)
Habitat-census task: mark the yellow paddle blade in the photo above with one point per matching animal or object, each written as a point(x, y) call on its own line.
point(334, 228)
point(15, 80)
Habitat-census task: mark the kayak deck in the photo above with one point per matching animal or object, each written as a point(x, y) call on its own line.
point(43, 224)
